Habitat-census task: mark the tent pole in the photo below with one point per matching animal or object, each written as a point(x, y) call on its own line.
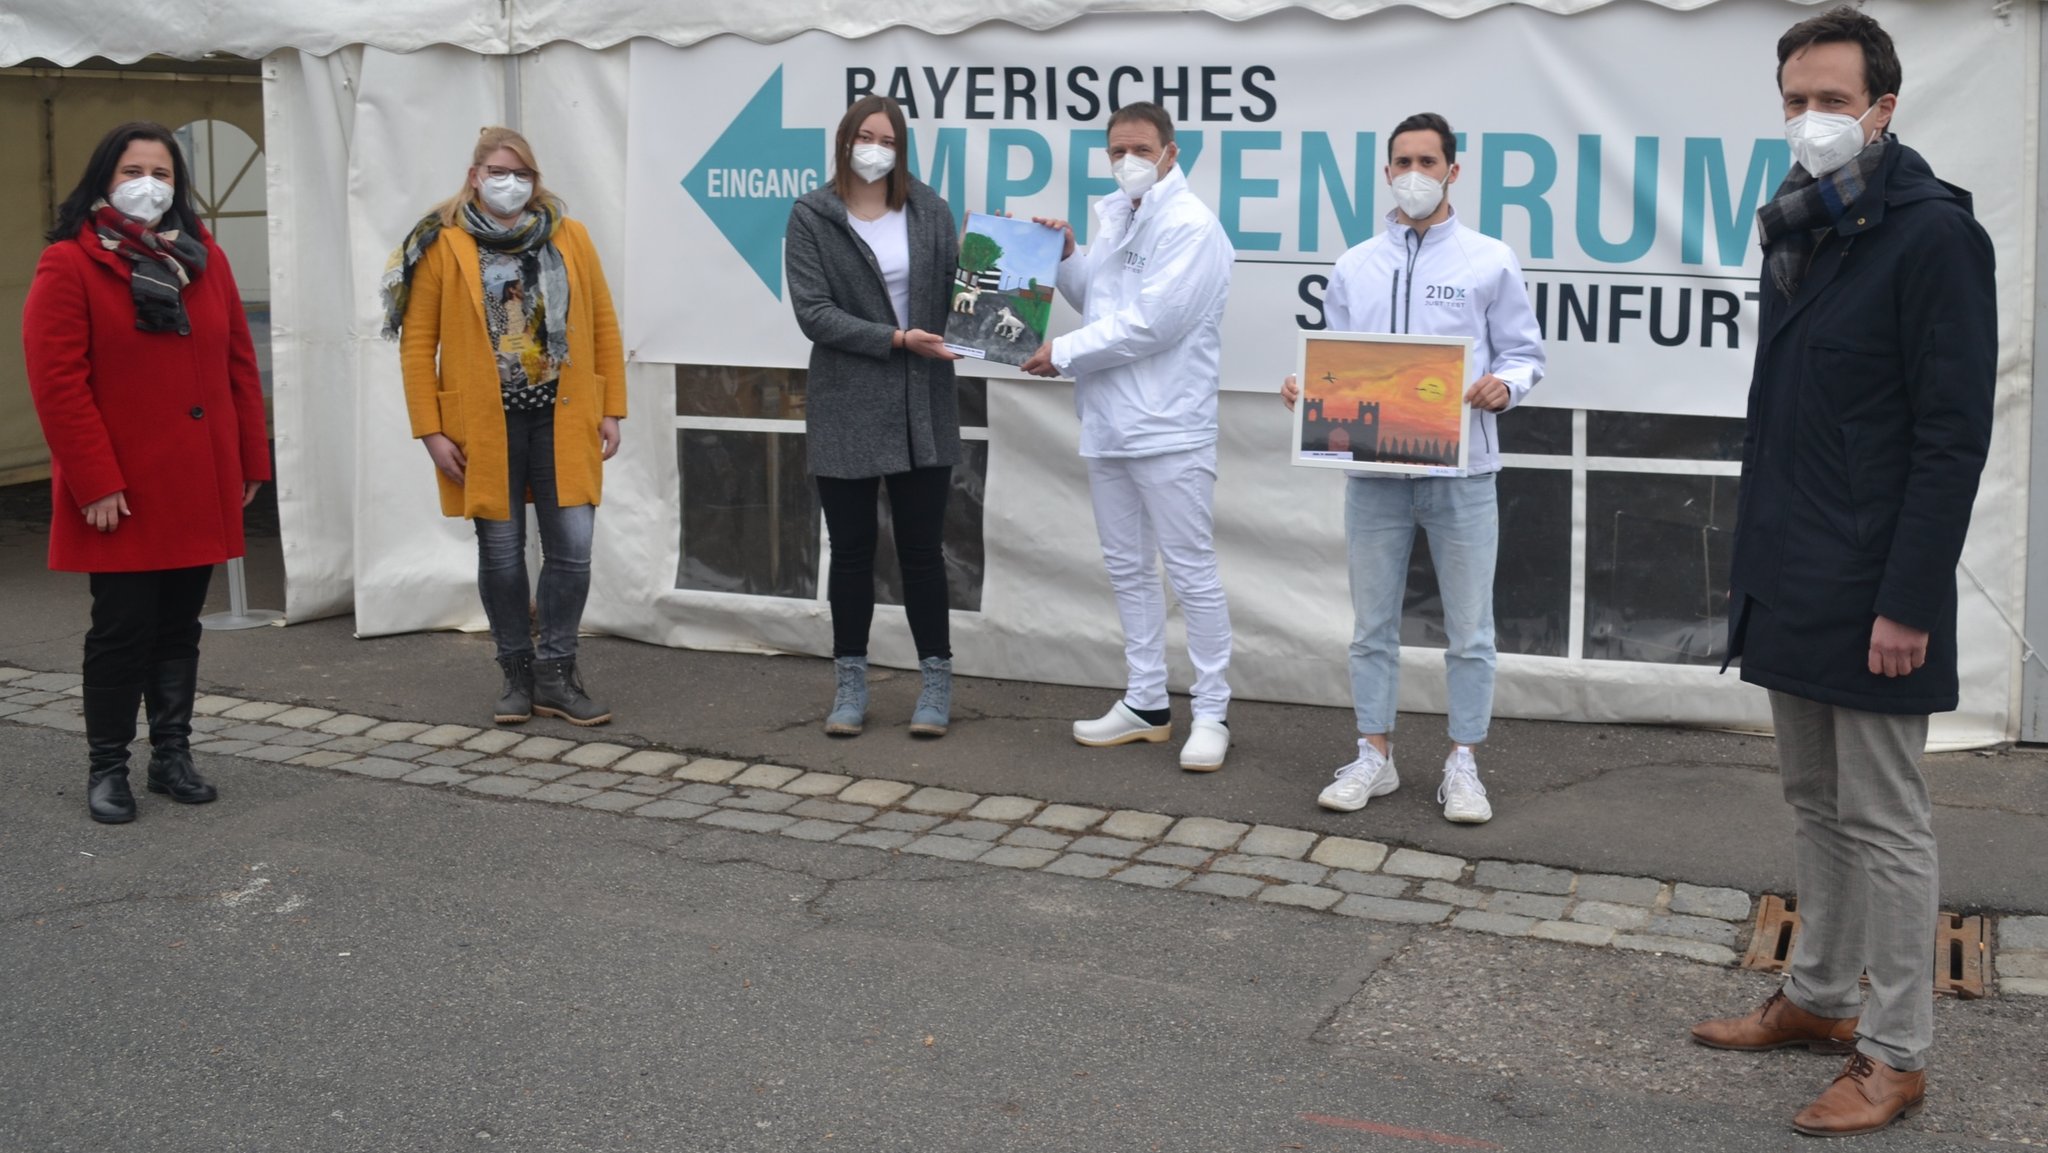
point(512, 94)
point(511, 82)
point(239, 614)
point(2034, 673)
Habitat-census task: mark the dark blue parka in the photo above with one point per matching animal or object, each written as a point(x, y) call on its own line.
point(1869, 421)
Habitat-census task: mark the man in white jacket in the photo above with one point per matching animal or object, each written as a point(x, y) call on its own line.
point(1150, 290)
point(1429, 274)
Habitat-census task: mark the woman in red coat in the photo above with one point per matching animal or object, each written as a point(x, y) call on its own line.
point(145, 381)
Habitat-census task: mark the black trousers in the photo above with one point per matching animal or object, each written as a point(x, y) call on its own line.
point(917, 512)
point(141, 620)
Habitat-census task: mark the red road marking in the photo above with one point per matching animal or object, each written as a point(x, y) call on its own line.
point(1396, 1131)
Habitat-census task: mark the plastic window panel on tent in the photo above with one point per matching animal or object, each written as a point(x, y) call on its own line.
point(750, 519)
point(1650, 535)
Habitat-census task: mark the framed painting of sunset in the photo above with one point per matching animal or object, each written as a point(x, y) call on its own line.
point(1377, 402)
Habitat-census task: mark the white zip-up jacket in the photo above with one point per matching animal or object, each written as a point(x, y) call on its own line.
point(1450, 281)
point(1150, 291)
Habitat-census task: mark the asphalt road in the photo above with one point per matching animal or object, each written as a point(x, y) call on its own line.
point(320, 963)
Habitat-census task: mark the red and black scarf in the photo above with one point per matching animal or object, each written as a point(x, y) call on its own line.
point(162, 264)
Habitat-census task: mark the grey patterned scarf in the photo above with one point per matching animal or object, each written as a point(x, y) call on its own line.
point(1791, 224)
point(546, 279)
point(531, 239)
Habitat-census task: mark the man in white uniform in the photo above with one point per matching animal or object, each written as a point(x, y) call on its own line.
point(1428, 274)
point(1150, 290)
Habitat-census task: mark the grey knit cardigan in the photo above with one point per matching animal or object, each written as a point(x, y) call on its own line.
point(873, 410)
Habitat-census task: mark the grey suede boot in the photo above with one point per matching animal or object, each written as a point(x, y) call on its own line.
point(515, 700)
point(934, 711)
point(558, 692)
point(850, 700)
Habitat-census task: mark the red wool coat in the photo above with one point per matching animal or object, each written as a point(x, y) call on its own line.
point(176, 422)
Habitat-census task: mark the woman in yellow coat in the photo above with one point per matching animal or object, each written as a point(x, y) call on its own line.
point(515, 382)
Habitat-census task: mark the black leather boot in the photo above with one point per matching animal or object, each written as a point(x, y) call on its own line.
point(515, 701)
point(167, 696)
point(109, 727)
point(558, 692)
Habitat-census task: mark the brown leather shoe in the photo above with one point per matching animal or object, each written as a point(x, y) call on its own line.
point(1778, 1024)
point(1867, 1096)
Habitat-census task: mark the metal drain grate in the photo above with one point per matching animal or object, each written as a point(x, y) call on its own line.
point(1770, 943)
point(1962, 955)
point(1962, 946)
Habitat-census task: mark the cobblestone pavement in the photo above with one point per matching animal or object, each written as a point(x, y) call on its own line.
point(1337, 875)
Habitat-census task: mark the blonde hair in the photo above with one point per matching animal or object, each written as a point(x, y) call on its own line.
point(488, 141)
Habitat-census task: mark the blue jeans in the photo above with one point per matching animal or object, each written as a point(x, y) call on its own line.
point(565, 535)
point(1462, 519)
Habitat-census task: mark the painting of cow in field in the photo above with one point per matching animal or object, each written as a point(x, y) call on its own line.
point(1002, 291)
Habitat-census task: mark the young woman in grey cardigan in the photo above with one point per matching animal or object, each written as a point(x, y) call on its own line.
point(870, 262)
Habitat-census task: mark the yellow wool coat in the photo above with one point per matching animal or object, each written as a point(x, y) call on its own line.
point(460, 397)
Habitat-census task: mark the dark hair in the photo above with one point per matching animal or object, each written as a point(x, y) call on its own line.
point(99, 173)
point(842, 149)
point(1144, 112)
point(1426, 122)
point(1882, 73)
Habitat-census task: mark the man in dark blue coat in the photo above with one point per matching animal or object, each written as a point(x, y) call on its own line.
point(1869, 420)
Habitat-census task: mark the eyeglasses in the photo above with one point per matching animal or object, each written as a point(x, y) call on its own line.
point(493, 171)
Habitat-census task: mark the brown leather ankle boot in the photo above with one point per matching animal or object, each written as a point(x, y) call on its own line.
point(1867, 1096)
point(1778, 1024)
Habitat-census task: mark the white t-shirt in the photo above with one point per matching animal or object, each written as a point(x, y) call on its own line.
point(888, 237)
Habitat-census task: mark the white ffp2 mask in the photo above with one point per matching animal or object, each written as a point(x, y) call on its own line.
point(1417, 194)
point(145, 198)
point(871, 162)
point(1135, 175)
point(1824, 141)
point(507, 194)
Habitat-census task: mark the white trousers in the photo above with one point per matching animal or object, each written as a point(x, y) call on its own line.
point(1153, 508)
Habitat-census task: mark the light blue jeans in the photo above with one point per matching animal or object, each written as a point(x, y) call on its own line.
point(565, 539)
point(1462, 518)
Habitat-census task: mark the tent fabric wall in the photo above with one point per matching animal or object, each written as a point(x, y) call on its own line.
point(128, 30)
point(373, 166)
point(376, 136)
point(603, 23)
point(1047, 613)
point(313, 350)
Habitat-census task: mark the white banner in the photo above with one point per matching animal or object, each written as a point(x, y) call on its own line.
point(1627, 180)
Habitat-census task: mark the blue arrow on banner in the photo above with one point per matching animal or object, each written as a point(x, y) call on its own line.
point(751, 176)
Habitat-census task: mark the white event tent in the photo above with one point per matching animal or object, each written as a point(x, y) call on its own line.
point(370, 110)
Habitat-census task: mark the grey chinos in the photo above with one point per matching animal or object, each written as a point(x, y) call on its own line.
point(1869, 882)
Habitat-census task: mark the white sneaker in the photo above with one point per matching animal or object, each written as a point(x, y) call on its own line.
point(1461, 794)
point(1207, 742)
point(1371, 775)
point(1120, 726)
